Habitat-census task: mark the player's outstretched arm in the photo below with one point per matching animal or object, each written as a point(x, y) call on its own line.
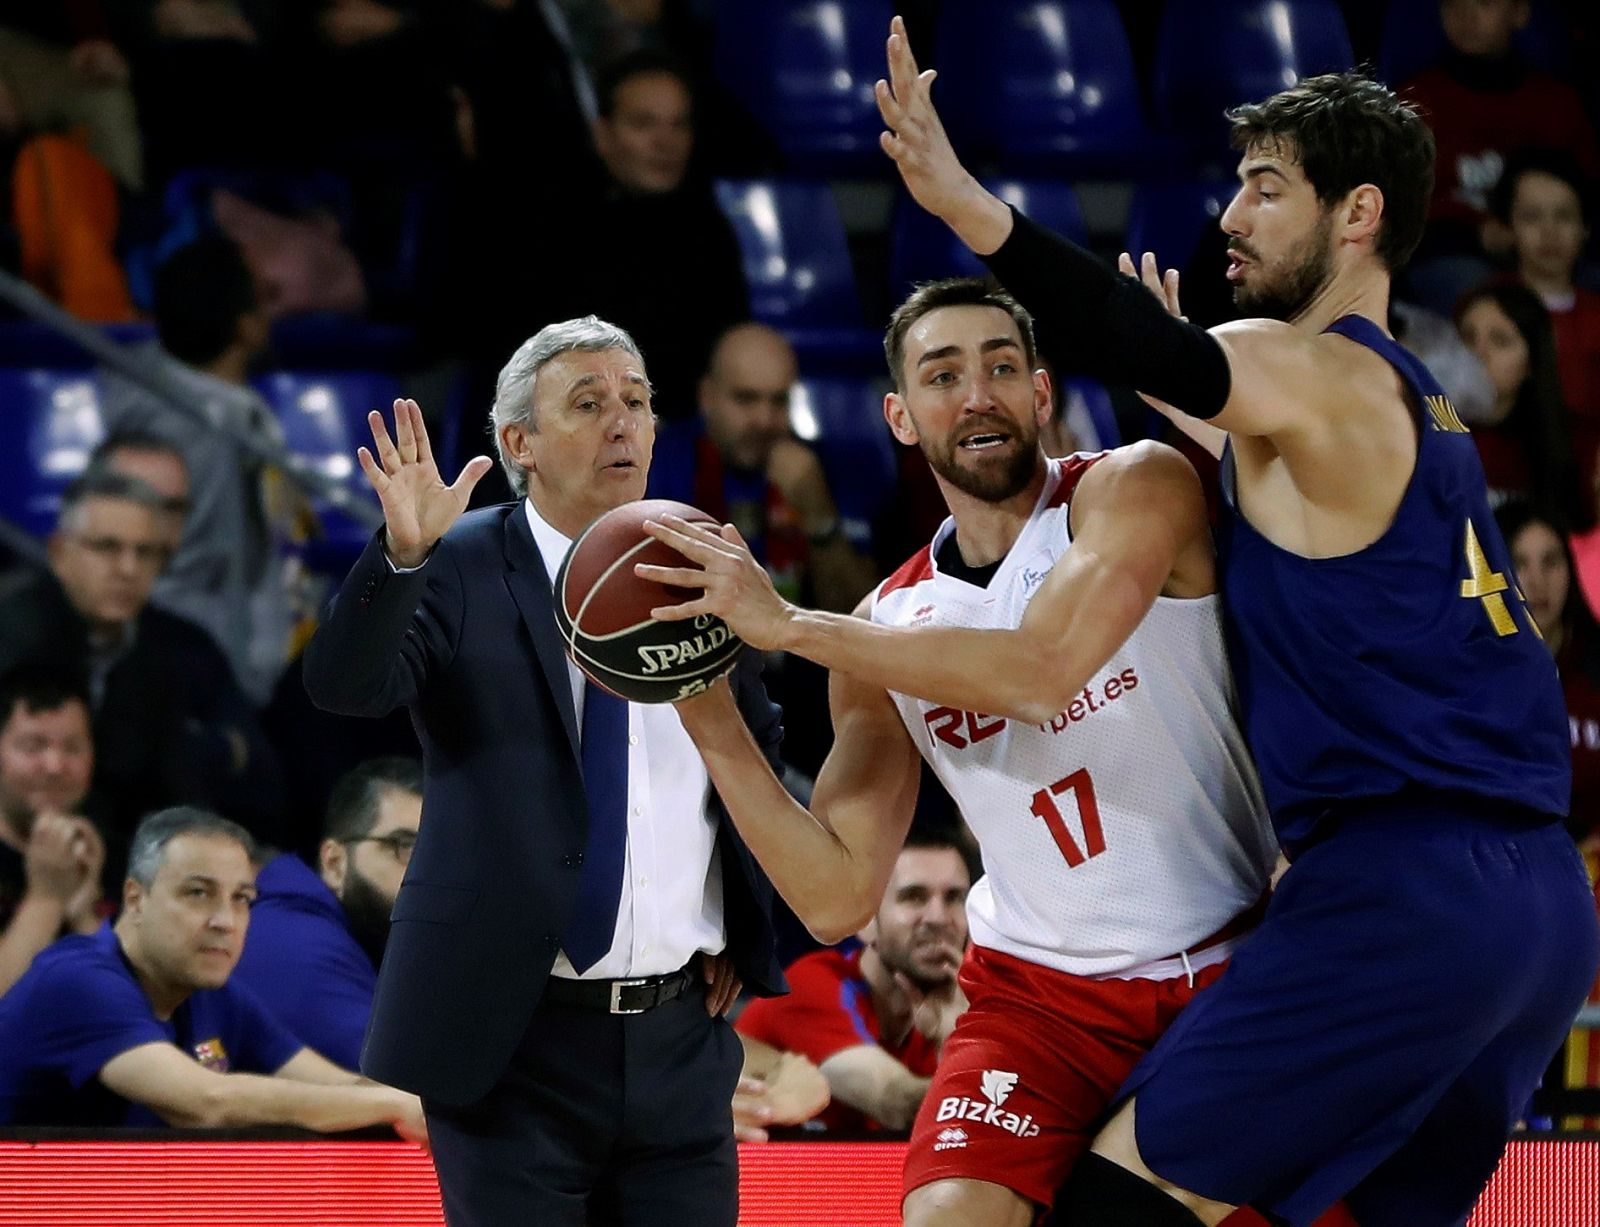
point(1139, 527)
point(830, 863)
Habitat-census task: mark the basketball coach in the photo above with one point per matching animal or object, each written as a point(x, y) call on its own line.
point(578, 910)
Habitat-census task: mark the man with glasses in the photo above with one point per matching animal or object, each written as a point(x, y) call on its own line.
point(317, 935)
point(170, 723)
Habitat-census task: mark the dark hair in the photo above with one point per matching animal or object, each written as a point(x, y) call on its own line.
point(107, 483)
point(357, 797)
point(941, 837)
point(132, 439)
point(1537, 421)
point(39, 688)
point(641, 63)
point(157, 830)
point(1576, 619)
point(202, 290)
point(1535, 159)
point(1345, 129)
point(952, 292)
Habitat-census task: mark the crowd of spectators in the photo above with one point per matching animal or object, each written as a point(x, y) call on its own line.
point(467, 171)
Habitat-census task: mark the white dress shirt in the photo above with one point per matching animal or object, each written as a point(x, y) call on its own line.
point(671, 903)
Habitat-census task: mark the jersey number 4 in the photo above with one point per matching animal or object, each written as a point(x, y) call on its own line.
point(1484, 583)
point(1044, 806)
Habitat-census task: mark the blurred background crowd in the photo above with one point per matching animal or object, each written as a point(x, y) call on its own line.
point(276, 215)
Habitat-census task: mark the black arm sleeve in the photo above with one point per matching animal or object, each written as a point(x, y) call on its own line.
point(1110, 326)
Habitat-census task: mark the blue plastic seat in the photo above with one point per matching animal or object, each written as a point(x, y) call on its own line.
point(806, 69)
point(1170, 217)
point(923, 248)
point(1413, 39)
point(324, 418)
point(797, 267)
point(1040, 85)
point(1210, 57)
point(49, 424)
point(843, 419)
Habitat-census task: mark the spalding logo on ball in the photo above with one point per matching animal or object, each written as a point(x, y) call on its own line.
point(603, 610)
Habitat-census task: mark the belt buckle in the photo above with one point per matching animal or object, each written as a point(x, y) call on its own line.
point(616, 995)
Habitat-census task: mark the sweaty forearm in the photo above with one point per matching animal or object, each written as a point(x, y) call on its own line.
point(1109, 326)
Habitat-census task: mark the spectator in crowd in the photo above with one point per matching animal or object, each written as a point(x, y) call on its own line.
point(317, 937)
point(170, 723)
point(1543, 201)
point(1545, 574)
point(1482, 101)
point(228, 575)
point(874, 1018)
point(50, 855)
point(1435, 339)
point(742, 464)
point(653, 252)
point(1525, 441)
point(138, 1023)
point(159, 463)
point(64, 70)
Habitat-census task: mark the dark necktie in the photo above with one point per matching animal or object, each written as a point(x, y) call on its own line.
point(604, 751)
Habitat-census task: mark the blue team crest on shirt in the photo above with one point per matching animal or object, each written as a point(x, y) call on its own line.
point(212, 1055)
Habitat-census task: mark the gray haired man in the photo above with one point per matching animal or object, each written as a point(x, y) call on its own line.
point(578, 910)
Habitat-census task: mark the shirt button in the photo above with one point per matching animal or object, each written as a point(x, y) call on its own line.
point(552, 942)
point(633, 739)
point(644, 950)
point(637, 811)
point(643, 882)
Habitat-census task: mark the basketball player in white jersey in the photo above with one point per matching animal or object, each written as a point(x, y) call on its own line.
point(1056, 655)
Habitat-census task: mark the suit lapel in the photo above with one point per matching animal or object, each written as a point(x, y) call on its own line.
point(529, 584)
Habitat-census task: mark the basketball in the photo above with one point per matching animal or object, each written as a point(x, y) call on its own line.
point(603, 610)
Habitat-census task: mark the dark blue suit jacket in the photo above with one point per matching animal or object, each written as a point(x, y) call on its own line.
point(469, 644)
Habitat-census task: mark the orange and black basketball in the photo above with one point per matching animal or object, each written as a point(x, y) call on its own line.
point(603, 610)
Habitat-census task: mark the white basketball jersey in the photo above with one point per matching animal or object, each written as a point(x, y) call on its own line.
point(1131, 826)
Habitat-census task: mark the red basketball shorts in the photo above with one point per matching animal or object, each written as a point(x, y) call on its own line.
point(1025, 1079)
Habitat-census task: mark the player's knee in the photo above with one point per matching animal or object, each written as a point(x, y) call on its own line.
point(1101, 1193)
point(958, 1203)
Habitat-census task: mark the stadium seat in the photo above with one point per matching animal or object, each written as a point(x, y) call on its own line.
point(1040, 84)
point(1169, 217)
point(843, 419)
point(923, 248)
point(1213, 56)
point(51, 423)
point(28, 343)
point(324, 418)
point(1090, 413)
point(797, 267)
point(1413, 39)
point(805, 69)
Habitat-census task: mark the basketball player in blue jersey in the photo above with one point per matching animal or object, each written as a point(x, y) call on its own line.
point(1379, 1035)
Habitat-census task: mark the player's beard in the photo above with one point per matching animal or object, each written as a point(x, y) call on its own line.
point(368, 912)
point(1284, 295)
point(990, 482)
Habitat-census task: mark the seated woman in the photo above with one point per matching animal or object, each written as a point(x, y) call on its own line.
point(1525, 442)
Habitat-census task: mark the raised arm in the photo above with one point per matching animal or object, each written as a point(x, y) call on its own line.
point(1257, 377)
point(365, 659)
point(830, 863)
point(1139, 529)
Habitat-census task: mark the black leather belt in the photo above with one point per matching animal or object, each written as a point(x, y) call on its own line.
point(633, 996)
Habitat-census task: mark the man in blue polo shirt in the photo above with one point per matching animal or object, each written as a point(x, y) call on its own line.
point(317, 936)
point(138, 1024)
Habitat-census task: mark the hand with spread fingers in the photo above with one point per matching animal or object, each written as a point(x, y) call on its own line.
point(418, 508)
point(733, 585)
point(925, 158)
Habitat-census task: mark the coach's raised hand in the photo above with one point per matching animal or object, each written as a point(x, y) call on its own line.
point(418, 508)
point(926, 160)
